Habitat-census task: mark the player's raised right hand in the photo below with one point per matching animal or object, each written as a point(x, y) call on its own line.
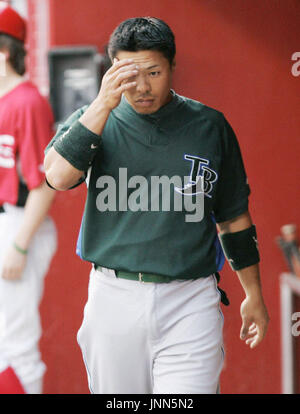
point(116, 80)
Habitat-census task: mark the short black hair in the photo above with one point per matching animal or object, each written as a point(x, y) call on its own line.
point(16, 50)
point(143, 33)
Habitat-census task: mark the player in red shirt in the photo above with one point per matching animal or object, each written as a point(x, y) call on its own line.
point(27, 233)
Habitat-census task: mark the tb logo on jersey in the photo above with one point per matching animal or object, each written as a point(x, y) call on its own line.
point(199, 169)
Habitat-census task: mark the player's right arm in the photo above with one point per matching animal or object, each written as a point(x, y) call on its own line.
point(64, 172)
point(255, 318)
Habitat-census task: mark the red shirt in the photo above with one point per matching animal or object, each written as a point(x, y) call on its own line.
point(26, 127)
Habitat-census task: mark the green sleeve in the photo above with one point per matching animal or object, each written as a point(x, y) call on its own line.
point(62, 128)
point(232, 188)
point(74, 142)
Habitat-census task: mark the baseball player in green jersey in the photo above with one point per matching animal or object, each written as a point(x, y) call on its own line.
point(167, 201)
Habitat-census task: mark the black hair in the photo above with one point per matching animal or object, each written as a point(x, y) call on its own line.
point(143, 33)
point(16, 50)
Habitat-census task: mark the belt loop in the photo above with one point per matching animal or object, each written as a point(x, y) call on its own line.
point(113, 272)
point(108, 272)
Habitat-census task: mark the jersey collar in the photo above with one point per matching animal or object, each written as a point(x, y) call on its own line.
point(163, 112)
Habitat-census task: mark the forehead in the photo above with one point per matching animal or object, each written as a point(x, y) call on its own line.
point(144, 58)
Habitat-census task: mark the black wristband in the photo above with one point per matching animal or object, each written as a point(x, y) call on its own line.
point(240, 248)
point(78, 145)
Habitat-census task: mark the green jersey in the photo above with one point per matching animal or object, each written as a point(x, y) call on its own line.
point(157, 185)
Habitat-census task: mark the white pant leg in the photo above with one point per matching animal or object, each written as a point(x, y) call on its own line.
point(145, 337)
point(34, 387)
point(20, 328)
point(188, 353)
point(113, 336)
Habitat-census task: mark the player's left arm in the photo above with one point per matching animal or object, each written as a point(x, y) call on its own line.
point(253, 310)
point(36, 208)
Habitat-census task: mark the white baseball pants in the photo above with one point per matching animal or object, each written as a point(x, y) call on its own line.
point(144, 338)
point(20, 327)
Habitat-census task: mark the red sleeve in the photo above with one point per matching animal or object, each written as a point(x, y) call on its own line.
point(36, 129)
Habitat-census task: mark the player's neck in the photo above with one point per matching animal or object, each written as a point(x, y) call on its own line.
point(9, 81)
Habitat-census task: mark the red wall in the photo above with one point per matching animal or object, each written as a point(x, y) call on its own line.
point(234, 56)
